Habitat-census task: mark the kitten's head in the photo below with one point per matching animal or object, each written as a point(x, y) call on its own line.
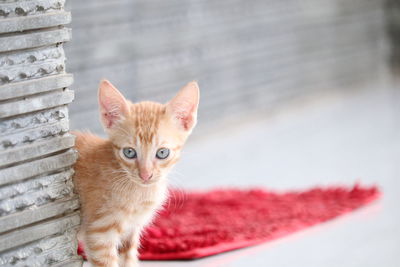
point(147, 137)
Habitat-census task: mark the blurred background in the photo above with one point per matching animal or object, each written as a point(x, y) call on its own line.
point(248, 56)
point(294, 94)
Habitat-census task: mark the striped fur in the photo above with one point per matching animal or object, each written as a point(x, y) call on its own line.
point(116, 202)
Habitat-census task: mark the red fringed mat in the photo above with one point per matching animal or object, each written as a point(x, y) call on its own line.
point(207, 223)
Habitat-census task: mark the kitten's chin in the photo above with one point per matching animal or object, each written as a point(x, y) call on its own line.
point(143, 183)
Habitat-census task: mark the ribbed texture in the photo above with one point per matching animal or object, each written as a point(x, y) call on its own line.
point(38, 207)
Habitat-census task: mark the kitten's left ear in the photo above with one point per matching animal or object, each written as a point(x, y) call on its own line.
point(113, 105)
point(183, 107)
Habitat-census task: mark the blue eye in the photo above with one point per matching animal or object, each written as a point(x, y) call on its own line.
point(129, 152)
point(162, 153)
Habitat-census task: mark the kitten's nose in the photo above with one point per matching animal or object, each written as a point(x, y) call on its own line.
point(145, 175)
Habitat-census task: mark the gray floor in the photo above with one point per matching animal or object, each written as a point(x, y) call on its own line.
point(339, 138)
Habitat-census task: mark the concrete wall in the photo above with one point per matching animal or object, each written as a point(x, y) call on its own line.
point(38, 209)
point(246, 55)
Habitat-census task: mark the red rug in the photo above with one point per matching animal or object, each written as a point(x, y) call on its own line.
point(199, 224)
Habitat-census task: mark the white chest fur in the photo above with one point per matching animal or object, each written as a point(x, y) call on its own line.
point(139, 206)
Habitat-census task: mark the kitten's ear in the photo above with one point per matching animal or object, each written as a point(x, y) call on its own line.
point(183, 107)
point(113, 105)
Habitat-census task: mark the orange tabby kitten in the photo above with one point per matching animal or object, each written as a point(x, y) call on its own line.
point(121, 180)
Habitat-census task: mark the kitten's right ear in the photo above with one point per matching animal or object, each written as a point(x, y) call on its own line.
point(113, 105)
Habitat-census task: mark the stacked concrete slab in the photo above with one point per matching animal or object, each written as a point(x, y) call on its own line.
point(246, 55)
point(38, 208)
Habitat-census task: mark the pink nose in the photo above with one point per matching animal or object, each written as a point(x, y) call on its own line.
point(145, 176)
